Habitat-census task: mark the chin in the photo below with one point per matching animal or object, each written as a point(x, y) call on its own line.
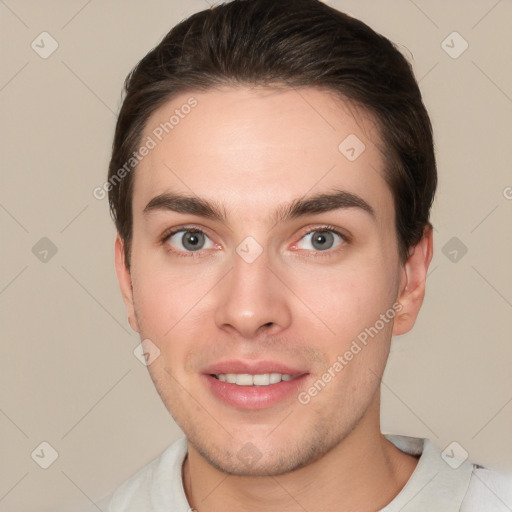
point(261, 456)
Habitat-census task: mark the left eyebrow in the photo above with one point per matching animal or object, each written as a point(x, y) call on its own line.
point(319, 203)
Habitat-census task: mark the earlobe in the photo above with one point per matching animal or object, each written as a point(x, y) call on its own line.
point(125, 282)
point(412, 290)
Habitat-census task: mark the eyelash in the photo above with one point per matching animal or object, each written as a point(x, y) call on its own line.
point(196, 254)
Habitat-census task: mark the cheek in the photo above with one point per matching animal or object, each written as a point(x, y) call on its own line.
point(166, 297)
point(347, 299)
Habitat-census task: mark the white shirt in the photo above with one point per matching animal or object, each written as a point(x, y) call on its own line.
point(434, 486)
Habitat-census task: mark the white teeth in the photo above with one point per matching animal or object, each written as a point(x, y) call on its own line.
point(275, 378)
point(261, 380)
point(245, 379)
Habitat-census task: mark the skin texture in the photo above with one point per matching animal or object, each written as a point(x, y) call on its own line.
point(252, 150)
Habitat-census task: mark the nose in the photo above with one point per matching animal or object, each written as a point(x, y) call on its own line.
point(252, 299)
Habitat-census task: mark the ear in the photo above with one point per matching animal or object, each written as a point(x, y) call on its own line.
point(125, 282)
point(412, 287)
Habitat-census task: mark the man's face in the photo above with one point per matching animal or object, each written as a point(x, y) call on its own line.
point(255, 293)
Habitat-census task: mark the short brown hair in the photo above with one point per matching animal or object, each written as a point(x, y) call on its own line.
point(302, 43)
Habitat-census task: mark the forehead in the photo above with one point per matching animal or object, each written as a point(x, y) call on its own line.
point(247, 147)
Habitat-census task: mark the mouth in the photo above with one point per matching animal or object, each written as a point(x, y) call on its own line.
point(253, 385)
point(261, 379)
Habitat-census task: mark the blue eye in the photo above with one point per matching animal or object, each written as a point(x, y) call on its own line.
point(323, 239)
point(190, 240)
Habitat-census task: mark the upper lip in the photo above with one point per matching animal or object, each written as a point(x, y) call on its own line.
point(251, 367)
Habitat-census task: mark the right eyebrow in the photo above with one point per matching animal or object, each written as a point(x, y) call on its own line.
point(170, 201)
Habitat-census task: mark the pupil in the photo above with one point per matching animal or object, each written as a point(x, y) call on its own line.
point(322, 238)
point(191, 240)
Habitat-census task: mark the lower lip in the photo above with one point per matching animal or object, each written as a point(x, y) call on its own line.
point(254, 397)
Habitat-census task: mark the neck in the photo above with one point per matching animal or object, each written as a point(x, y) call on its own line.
point(363, 472)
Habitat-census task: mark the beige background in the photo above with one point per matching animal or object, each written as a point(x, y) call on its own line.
point(68, 375)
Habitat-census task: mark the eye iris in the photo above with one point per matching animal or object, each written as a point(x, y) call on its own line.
point(320, 237)
point(191, 240)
